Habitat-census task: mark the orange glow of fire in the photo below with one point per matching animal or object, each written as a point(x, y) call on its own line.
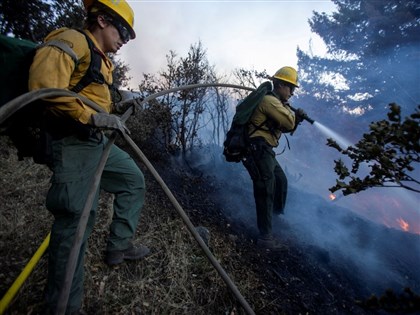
point(403, 224)
point(332, 196)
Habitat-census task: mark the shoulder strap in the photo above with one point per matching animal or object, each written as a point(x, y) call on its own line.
point(265, 88)
point(63, 46)
point(93, 73)
point(248, 105)
point(258, 127)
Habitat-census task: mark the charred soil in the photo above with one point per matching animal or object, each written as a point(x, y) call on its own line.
point(177, 278)
point(302, 278)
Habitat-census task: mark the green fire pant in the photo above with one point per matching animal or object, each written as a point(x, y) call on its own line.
point(74, 165)
point(269, 183)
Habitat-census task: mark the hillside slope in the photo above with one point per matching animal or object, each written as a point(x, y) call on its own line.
point(177, 278)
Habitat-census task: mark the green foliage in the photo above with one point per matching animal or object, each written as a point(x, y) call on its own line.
point(392, 151)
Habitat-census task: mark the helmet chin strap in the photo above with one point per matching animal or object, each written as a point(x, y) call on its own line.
point(277, 95)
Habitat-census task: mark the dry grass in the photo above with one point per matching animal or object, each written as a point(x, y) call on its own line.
point(176, 278)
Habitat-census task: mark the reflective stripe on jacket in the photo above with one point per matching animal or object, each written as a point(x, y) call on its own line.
point(53, 68)
point(280, 119)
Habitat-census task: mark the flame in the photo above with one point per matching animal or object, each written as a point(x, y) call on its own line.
point(403, 224)
point(332, 197)
point(398, 212)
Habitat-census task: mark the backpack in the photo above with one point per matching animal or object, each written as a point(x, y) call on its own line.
point(26, 128)
point(235, 146)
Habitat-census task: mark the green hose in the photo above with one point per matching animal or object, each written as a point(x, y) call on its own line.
point(7, 110)
point(11, 107)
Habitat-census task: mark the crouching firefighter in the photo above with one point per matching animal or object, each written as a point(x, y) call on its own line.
point(78, 142)
point(272, 117)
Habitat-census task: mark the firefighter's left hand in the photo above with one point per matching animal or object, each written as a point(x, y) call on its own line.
point(121, 107)
point(109, 121)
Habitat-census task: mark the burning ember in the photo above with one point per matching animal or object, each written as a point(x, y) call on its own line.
point(403, 224)
point(332, 197)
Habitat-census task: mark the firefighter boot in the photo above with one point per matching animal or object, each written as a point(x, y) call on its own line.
point(132, 253)
point(269, 242)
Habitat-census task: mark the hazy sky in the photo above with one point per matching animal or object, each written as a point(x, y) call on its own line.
point(249, 34)
point(261, 35)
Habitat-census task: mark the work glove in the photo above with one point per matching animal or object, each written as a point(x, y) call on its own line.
point(121, 107)
point(109, 121)
point(300, 115)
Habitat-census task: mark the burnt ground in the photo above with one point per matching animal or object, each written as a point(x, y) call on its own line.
point(305, 278)
point(362, 269)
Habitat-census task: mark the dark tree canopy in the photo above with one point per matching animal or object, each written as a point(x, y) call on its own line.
point(33, 20)
point(373, 60)
point(369, 27)
point(391, 150)
point(373, 52)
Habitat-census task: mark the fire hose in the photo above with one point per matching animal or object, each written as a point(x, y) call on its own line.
point(11, 107)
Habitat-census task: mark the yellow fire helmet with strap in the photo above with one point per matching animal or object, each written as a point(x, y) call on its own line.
point(118, 7)
point(287, 74)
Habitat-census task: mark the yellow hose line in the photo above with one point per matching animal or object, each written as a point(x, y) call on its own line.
point(10, 294)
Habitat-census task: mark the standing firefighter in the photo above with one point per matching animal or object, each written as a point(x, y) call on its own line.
point(272, 117)
point(78, 142)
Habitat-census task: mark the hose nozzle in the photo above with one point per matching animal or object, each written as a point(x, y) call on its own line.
point(308, 119)
point(302, 114)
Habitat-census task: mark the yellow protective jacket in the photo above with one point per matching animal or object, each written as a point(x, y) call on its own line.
point(278, 118)
point(54, 68)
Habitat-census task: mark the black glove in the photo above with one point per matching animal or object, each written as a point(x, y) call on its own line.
point(299, 116)
point(109, 121)
point(122, 107)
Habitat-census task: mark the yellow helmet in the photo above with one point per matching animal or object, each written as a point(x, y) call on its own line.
point(287, 74)
point(120, 8)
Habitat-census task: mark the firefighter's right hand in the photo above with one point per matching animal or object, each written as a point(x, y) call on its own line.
point(109, 121)
point(300, 115)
